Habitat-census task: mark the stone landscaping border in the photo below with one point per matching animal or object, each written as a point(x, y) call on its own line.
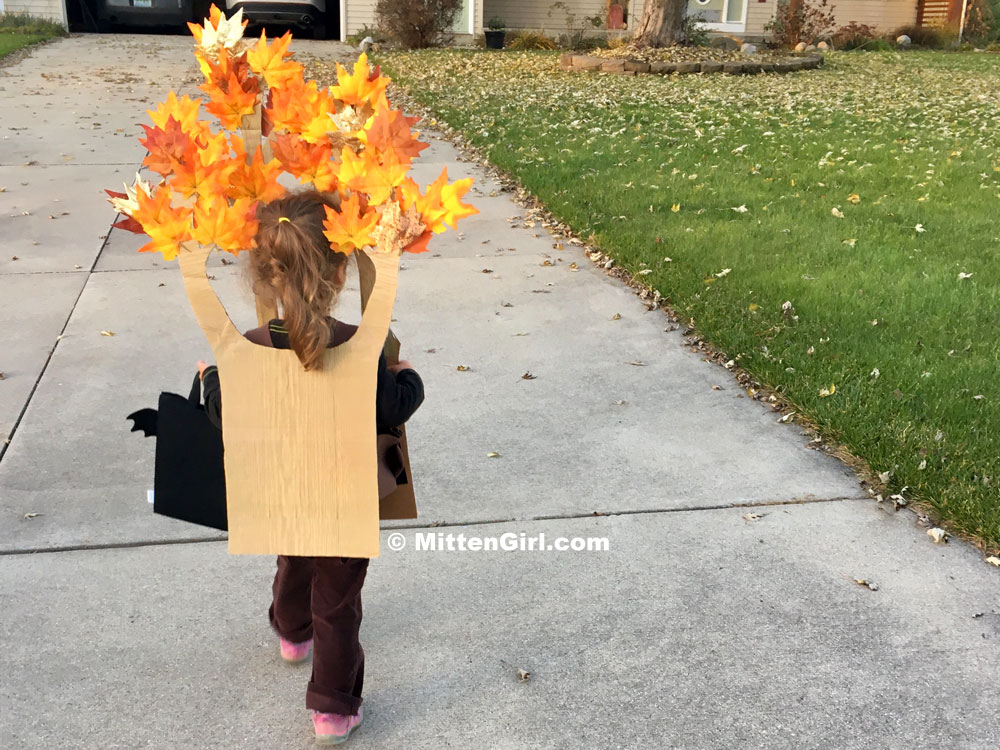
point(573, 61)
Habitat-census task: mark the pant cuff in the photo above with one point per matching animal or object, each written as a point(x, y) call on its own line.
point(295, 636)
point(332, 701)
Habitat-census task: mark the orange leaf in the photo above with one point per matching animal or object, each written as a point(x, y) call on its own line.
point(184, 110)
point(166, 146)
point(364, 173)
point(269, 61)
point(389, 130)
point(166, 226)
point(361, 86)
point(256, 180)
point(308, 162)
point(227, 227)
point(351, 227)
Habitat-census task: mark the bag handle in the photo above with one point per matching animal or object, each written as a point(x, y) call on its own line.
point(194, 398)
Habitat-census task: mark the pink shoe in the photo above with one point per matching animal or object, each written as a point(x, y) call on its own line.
point(332, 729)
point(295, 653)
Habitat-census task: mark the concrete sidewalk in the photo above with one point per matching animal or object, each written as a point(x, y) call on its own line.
point(697, 629)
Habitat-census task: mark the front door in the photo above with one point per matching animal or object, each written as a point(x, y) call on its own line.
point(720, 15)
point(466, 18)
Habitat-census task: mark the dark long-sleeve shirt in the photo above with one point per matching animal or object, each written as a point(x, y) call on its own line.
point(397, 396)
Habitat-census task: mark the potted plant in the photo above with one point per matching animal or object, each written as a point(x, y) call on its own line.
point(495, 32)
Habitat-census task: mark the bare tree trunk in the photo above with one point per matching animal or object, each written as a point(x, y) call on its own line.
point(662, 23)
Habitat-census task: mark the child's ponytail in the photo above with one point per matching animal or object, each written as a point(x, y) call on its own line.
point(294, 267)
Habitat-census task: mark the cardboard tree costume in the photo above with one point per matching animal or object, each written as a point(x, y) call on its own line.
point(300, 446)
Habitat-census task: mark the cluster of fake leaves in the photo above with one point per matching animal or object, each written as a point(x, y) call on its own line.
point(345, 139)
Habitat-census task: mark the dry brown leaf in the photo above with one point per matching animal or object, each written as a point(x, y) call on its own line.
point(523, 675)
point(29, 516)
point(528, 376)
point(940, 536)
point(637, 363)
point(463, 368)
point(616, 316)
point(866, 583)
point(492, 454)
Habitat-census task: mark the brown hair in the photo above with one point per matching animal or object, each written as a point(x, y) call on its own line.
point(294, 267)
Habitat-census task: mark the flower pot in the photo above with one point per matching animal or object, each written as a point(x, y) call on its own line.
point(494, 38)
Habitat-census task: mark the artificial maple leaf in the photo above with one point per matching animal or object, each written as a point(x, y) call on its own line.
point(227, 227)
point(166, 225)
point(441, 205)
point(389, 130)
point(269, 61)
point(363, 172)
point(129, 225)
point(363, 85)
point(232, 88)
point(166, 145)
point(183, 110)
point(351, 227)
point(256, 180)
point(308, 162)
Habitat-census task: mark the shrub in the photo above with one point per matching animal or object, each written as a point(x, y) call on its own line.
point(363, 33)
point(415, 24)
point(23, 23)
point(855, 36)
point(931, 37)
point(530, 40)
point(802, 22)
point(695, 33)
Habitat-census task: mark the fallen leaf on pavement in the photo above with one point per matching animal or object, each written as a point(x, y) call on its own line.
point(492, 454)
point(940, 536)
point(616, 316)
point(523, 675)
point(993, 560)
point(32, 515)
point(528, 376)
point(637, 363)
point(107, 333)
point(747, 517)
point(463, 368)
point(866, 583)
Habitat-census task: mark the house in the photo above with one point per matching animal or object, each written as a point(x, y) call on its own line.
point(744, 18)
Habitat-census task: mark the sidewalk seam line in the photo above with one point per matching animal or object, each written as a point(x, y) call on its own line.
point(490, 522)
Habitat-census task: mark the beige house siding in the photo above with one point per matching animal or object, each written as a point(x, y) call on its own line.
point(360, 13)
point(759, 15)
point(884, 15)
point(541, 15)
point(53, 10)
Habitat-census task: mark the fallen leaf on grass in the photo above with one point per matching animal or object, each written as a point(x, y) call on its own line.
point(742, 209)
point(920, 228)
point(851, 242)
point(962, 276)
point(828, 391)
point(837, 212)
point(854, 198)
point(940, 536)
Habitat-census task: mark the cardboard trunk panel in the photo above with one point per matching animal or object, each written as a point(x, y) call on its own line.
point(300, 458)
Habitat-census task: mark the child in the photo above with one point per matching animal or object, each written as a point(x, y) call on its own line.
point(317, 600)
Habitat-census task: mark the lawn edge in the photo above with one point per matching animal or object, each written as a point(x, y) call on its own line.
point(925, 515)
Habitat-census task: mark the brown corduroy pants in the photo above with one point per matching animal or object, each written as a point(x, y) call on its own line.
point(320, 598)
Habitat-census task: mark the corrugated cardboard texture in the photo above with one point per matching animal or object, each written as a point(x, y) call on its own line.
point(301, 472)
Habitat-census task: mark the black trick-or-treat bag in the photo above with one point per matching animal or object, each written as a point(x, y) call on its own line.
point(190, 480)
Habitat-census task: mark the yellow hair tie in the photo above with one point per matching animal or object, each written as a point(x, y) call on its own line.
point(284, 218)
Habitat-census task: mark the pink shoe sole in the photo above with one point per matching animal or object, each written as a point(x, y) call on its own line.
point(295, 653)
point(326, 740)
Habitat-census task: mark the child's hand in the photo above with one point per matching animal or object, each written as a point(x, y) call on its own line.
point(202, 366)
point(403, 364)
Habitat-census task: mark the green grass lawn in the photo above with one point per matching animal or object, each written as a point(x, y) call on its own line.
point(866, 194)
point(13, 42)
point(18, 30)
